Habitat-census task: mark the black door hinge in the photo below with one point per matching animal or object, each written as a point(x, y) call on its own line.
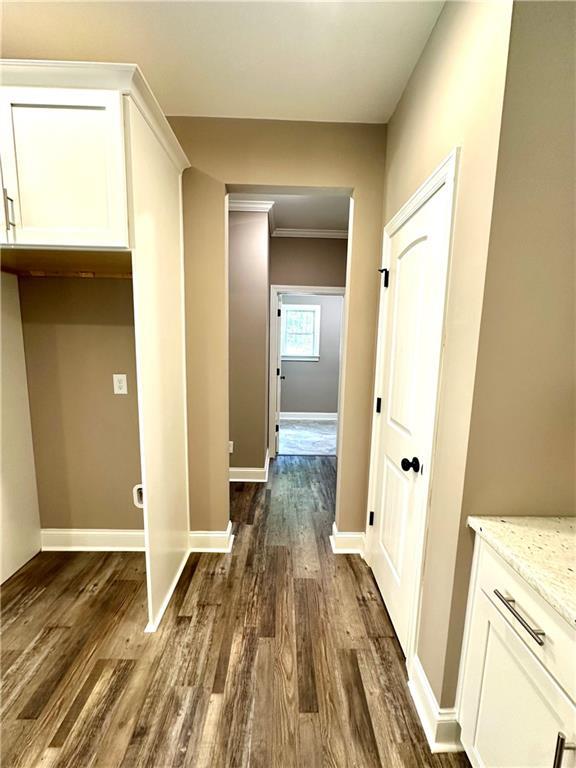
point(386, 275)
point(279, 313)
point(277, 371)
point(371, 518)
point(277, 428)
point(378, 404)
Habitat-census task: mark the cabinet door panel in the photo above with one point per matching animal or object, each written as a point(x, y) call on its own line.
point(63, 158)
point(512, 709)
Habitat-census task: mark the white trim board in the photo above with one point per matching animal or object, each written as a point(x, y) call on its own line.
point(212, 541)
point(92, 540)
point(307, 416)
point(253, 206)
point(440, 724)
point(126, 540)
point(250, 474)
point(347, 542)
point(325, 234)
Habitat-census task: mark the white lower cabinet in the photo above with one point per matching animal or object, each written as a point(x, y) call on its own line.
point(513, 712)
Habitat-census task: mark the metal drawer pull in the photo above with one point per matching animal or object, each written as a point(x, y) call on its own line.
point(561, 747)
point(535, 634)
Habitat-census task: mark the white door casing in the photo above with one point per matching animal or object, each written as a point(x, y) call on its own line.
point(416, 254)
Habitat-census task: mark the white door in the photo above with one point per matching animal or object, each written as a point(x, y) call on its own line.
point(62, 154)
point(416, 250)
point(158, 279)
point(512, 710)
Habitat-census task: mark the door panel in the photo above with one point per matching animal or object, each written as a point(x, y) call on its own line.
point(408, 361)
point(393, 526)
point(410, 274)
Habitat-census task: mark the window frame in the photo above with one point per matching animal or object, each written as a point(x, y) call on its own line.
point(317, 310)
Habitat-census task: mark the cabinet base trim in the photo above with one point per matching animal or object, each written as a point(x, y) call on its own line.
point(347, 542)
point(440, 724)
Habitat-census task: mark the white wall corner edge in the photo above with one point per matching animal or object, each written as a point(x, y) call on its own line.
point(440, 724)
point(152, 626)
point(347, 542)
point(251, 474)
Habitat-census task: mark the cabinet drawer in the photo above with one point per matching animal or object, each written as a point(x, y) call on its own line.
point(557, 652)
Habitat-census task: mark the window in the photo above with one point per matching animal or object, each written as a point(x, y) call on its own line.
point(300, 331)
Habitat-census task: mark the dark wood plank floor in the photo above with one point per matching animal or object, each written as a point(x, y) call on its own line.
point(278, 655)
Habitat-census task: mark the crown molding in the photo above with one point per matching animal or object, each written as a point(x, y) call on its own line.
point(331, 234)
point(254, 206)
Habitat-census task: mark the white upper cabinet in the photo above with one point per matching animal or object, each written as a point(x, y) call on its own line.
point(63, 167)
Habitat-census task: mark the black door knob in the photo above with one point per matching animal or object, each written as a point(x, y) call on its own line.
point(407, 465)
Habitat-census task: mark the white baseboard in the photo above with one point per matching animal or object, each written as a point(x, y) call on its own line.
point(112, 540)
point(250, 474)
point(212, 541)
point(152, 626)
point(307, 416)
point(347, 542)
point(440, 724)
point(91, 540)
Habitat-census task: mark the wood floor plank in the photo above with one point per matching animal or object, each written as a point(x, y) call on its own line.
point(277, 655)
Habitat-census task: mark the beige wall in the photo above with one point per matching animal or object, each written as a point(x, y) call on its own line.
point(288, 154)
point(77, 333)
point(521, 456)
point(248, 337)
point(308, 261)
point(454, 98)
point(206, 283)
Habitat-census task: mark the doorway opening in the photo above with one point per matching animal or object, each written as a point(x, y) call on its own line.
point(288, 256)
point(305, 351)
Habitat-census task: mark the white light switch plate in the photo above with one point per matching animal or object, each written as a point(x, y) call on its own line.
point(120, 383)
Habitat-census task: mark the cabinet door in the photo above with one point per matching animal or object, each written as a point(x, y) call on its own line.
point(62, 153)
point(512, 710)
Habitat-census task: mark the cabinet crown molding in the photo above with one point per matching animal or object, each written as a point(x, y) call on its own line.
point(127, 79)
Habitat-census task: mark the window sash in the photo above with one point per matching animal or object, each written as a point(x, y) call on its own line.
point(300, 336)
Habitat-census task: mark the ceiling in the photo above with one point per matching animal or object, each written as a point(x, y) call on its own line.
point(313, 215)
point(319, 61)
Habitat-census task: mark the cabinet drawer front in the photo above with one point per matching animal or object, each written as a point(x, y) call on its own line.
point(63, 159)
point(558, 650)
point(512, 710)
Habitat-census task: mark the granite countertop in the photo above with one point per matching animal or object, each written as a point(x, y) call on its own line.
point(542, 550)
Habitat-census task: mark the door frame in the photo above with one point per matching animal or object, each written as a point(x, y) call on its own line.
point(306, 290)
point(445, 174)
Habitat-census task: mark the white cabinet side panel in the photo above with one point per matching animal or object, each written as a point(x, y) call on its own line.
point(157, 260)
point(20, 518)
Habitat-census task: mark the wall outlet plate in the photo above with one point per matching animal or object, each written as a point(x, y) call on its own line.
point(120, 383)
